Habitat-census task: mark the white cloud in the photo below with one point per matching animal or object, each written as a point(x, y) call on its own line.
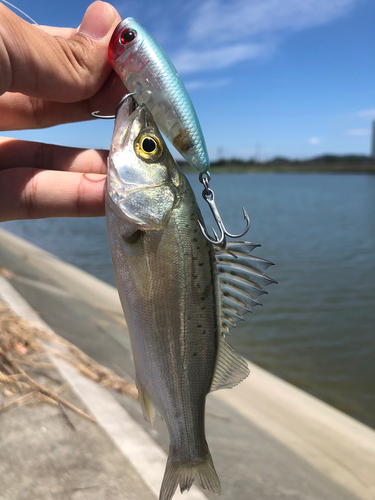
point(188, 61)
point(315, 140)
point(367, 113)
point(197, 84)
point(358, 131)
point(241, 30)
point(227, 20)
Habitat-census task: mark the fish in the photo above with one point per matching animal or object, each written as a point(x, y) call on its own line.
point(146, 70)
point(180, 294)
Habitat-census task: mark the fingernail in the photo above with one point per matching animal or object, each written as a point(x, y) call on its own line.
point(98, 20)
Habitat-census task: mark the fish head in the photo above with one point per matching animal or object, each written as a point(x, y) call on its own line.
point(126, 40)
point(144, 183)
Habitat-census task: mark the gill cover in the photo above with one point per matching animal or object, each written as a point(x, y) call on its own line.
point(142, 184)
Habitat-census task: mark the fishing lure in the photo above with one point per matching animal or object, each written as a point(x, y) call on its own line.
point(146, 71)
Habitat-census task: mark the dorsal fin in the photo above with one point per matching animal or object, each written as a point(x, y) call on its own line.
point(242, 281)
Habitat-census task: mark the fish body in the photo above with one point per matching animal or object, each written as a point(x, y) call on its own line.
point(167, 275)
point(146, 70)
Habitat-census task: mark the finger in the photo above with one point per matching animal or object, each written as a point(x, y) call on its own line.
point(19, 112)
point(27, 193)
point(37, 155)
point(38, 64)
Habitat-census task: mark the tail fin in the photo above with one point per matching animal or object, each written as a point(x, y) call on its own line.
point(184, 474)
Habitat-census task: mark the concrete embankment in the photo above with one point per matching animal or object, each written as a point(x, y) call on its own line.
point(269, 440)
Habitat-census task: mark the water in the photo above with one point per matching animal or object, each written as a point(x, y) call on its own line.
point(317, 326)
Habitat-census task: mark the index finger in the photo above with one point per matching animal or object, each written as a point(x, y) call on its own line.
point(15, 153)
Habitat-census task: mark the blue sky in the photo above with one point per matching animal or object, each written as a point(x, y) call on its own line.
point(267, 77)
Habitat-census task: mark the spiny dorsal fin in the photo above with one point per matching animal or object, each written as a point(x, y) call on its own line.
point(242, 281)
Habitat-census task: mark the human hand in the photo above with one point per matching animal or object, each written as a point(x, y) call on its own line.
point(51, 76)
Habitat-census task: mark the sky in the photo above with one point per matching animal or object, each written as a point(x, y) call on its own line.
point(268, 78)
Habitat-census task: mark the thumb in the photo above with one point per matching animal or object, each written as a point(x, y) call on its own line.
point(38, 64)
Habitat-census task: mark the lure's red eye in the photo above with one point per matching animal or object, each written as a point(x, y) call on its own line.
point(127, 36)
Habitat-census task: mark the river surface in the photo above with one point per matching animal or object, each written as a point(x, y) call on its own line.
point(317, 326)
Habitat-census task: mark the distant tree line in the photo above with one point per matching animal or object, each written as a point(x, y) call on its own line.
point(326, 162)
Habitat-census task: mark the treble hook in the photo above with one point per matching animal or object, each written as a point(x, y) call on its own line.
point(209, 197)
point(95, 114)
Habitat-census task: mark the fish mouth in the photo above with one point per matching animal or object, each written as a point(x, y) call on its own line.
point(130, 107)
point(129, 103)
point(130, 116)
point(126, 114)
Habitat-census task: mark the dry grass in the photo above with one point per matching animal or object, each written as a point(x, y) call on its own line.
point(18, 334)
point(24, 343)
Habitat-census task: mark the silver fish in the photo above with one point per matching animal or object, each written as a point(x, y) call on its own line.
point(179, 293)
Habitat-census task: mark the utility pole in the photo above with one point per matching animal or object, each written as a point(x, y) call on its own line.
point(373, 141)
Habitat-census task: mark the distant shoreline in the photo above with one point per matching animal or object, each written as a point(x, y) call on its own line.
point(356, 165)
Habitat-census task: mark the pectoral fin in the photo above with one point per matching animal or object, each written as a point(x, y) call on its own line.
point(148, 409)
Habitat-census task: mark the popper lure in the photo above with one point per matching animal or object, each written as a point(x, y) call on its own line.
point(146, 70)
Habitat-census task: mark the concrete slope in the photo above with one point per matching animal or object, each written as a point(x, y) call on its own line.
point(269, 440)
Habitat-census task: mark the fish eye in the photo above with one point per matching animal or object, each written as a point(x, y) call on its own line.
point(148, 147)
point(127, 36)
